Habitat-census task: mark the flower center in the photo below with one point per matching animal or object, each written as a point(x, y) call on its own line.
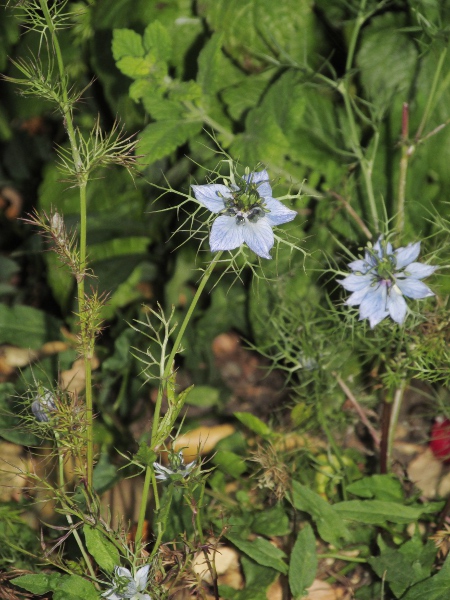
point(245, 204)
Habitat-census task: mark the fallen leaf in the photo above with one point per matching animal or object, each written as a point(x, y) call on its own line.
point(201, 441)
point(424, 471)
point(74, 379)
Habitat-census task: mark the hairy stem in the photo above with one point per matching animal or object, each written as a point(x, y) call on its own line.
point(149, 473)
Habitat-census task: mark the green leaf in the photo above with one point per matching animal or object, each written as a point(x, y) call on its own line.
point(158, 41)
point(380, 487)
point(127, 42)
point(433, 588)
point(38, 584)
point(262, 552)
point(136, 67)
point(208, 76)
point(104, 552)
point(74, 587)
point(204, 396)
point(253, 423)
point(162, 138)
point(27, 327)
point(405, 566)
point(387, 59)
point(303, 562)
point(105, 474)
point(257, 580)
point(145, 455)
point(377, 512)
point(329, 522)
point(272, 521)
point(230, 463)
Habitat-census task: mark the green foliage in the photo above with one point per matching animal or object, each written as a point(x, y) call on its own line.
point(303, 562)
point(71, 587)
point(101, 549)
point(261, 551)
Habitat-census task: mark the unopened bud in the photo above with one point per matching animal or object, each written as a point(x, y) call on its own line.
point(42, 405)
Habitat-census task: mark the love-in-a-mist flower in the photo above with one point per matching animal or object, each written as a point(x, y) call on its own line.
point(247, 213)
point(43, 405)
point(380, 281)
point(176, 470)
point(127, 587)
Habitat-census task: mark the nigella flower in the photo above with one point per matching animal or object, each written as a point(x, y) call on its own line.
point(247, 213)
point(176, 471)
point(127, 587)
point(43, 405)
point(380, 281)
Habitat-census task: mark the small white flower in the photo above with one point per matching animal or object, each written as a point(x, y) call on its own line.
point(247, 213)
point(127, 587)
point(177, 470)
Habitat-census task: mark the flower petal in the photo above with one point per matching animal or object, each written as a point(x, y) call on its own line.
point(413, 288)
point(396, 305)
point(373, 306)
point(259, 237)
point(279, 213)
point(358, 296)
point(208, 195)
point(354, 283)
point(360, 265)
point(123, 572)
point(262, 178)
point(418, 270)
point(405, 256)
point(111, 595)
point(141, 578)
point(226, 234)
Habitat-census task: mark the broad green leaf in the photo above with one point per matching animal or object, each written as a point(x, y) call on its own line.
point(377, 512)
point(380, 487)
point(271, 521)
point(303, 562)
point(262, 552)
point(253, 423)
point(387, 60)
point(329, 522)
point(104, 552)
point(162, 138)
point(208, 76)
point(136, 67)
point(105, 474)
point(257, 580)
point(38, 584)
point(434, 588)
point(74, 587)
point(245, 94)
point(229, 462)
point(405, 566)
point(118, 247)
point(204, 396)
point(26, 327)
point(127, 43)
point(157, 39)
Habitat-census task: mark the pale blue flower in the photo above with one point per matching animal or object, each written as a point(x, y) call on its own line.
point(43, 405)
point(176, 471)
point(380, 281)
point(247, 213)
point(127, 587)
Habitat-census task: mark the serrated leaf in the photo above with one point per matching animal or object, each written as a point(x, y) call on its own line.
point(209, 65)
point(433, 588)
point(136, 67)
point(303, 562)
point(71, 587)
point(127, 42)
point(157, 39)
point(104, 552)
point(262, 552)
point(329, 522)
point(38, 584)
point(145, 455)
point(162, 138)
point(271, 522)
point(253, 423)
point(387, 59)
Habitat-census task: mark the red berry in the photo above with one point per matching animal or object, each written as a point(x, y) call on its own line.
point(440, 439)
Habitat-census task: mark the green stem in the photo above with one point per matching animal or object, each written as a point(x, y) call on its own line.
point(149, 473)
point(396, 405)
point(431, 95)
point(365, 164)
point(75, 533)
point(66, 109)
